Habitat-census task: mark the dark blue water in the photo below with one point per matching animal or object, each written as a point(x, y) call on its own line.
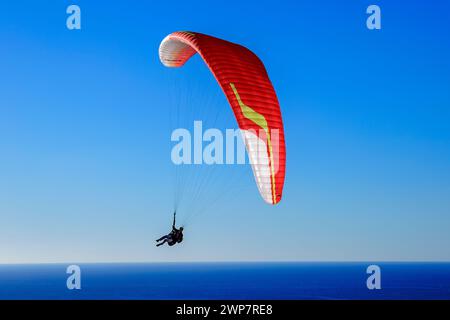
point(227, 281)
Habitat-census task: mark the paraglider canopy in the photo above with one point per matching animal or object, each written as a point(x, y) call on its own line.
point(244, 80)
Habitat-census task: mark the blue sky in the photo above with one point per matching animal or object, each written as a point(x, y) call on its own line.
point(86, 118)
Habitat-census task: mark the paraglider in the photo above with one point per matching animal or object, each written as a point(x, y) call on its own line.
point(175, 236)
point(249, 91)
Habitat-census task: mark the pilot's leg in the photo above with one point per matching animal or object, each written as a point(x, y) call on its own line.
point(161, 243)
point(162, 238)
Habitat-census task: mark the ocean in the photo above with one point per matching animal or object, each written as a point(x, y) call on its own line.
point(226, 281)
